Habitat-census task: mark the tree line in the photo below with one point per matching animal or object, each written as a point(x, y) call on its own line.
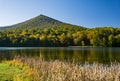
point(60, 37)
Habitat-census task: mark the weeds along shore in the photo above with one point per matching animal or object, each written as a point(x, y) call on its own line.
point(40, 70)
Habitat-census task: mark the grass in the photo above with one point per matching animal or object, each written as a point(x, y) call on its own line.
point(40, 70)
point(9, 72)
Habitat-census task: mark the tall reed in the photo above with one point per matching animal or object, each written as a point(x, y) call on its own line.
point(65, 71)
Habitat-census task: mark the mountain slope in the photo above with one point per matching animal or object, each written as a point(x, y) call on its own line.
point(39, 21)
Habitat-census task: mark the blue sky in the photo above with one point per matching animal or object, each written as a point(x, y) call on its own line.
point(87, 13)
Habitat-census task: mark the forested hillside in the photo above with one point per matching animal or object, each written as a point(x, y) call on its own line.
point(61, 36)
point(44, 31)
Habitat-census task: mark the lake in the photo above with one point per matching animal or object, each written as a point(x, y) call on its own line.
point(76, 54)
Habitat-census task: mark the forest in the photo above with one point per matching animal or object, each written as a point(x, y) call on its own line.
point(60, 36)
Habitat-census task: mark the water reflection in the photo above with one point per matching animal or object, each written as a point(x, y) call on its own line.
point(82, 55)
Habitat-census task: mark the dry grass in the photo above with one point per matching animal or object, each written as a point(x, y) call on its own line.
point(64, 71)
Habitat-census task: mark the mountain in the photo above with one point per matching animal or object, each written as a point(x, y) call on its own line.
point(39, 21)
point(43, 31)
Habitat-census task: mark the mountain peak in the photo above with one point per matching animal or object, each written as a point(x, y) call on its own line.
point(40, 21)
point(41, 15)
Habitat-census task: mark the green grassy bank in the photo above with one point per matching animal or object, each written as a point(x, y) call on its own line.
point(9, 72)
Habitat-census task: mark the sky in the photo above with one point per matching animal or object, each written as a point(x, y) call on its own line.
point(87, 13)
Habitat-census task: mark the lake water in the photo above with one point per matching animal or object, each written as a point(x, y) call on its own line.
point(85, 54)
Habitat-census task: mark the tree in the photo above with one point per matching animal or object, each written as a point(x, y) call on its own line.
point(110, 40)
point(83, 43)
